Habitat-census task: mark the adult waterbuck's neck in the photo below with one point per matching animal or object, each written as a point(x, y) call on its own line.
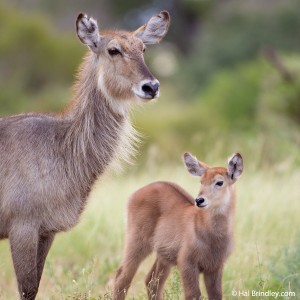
point(112, 76)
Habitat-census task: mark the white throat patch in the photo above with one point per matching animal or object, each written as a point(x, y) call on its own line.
point(120, 107)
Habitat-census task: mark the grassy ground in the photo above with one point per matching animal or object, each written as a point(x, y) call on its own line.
point(82, 263)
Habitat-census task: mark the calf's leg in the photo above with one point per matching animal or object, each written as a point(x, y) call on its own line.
point(190, 279)
point(133, 257)
point(213, 284)
point(156, 279)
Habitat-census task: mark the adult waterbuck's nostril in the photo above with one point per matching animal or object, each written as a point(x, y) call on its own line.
point(151, 89)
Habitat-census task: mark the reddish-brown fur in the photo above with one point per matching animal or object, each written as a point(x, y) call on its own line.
point(162, 217)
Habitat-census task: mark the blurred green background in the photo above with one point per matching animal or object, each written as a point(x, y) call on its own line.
point(229, 71)
point(230, 81)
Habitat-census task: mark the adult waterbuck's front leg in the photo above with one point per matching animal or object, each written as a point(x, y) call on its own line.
point(44, 245)
point(24, 240)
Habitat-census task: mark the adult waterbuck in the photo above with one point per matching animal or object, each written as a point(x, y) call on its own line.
point(48, 163)
point(194, 234)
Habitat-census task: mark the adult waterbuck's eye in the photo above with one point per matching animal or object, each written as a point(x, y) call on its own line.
point(113, 51)
point(219, 183)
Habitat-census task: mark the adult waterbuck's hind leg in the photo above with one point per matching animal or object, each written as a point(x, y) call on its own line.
point(24, 246)
point(156, 279)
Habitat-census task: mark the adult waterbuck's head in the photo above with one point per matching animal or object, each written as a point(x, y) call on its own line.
point(119, 55)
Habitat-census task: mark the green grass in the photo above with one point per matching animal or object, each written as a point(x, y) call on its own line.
point(81, 263)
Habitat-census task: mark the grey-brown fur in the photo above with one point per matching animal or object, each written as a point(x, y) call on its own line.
point(48, 163)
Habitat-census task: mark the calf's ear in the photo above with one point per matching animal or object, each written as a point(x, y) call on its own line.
point(235, 166)
point(195, 167)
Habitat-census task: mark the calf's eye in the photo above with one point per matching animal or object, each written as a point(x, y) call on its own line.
point(219, 183)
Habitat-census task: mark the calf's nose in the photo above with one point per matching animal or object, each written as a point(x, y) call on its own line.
point(199, 200)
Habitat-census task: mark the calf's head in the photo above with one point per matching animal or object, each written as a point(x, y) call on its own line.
point(216, 183)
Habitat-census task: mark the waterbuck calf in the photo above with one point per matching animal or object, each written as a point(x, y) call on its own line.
point(196, 235)
point(48, 163)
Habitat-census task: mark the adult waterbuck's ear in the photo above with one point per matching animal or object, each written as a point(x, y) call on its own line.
point(235, 166)
point(155, 29)
point(88, 32)
point(194, 166)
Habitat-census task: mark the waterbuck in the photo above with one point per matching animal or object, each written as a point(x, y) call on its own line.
point(196, 235)
point(48, 163)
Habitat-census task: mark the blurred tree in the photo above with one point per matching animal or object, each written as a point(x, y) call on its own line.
point(282, 94)
point(226, 87)
point(184, 17)
point(236, 31)
point(34, 52)
point(33, 57)
point(64, 13)
point(186, 14)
